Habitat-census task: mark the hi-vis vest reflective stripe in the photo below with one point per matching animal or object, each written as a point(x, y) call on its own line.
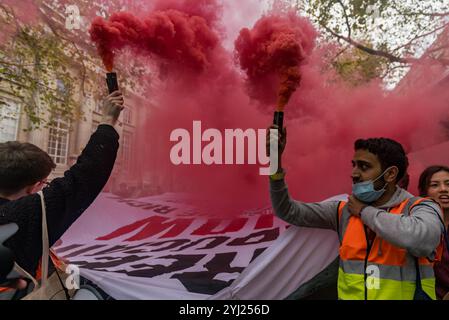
point(380, 271)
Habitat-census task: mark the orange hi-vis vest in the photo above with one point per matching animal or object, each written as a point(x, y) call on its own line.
point(376, 269)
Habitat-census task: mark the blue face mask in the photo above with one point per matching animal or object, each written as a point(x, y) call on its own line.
point(365, 192)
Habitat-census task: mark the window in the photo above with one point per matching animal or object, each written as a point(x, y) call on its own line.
point(61, 87)
point(97, 106)
point(9, 121)
point(58, 141)
point(127, 116)
point(126, 149)
point(92, 103)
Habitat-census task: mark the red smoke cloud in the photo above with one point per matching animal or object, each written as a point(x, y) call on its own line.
point(328, 117)
point(177, 37)
point(271, 53)
point(325, 119)
point(210, 10)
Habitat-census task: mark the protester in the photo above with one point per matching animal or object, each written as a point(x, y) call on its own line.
point(384, 231)
point(434, 183)
point(24, 170)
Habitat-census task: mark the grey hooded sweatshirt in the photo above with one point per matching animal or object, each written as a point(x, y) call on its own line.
point(419, 233)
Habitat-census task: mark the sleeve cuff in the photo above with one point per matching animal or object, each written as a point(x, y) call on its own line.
point(277, 185)
point(278, 176)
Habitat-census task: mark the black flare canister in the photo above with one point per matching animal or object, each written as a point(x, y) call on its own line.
point(111, 80)
point(279, 119)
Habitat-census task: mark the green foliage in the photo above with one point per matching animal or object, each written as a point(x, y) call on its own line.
point(358, 67)
point(399, 29)
point(48, 68)
point(36, 68)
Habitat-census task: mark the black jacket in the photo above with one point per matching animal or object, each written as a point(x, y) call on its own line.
point(66, 199)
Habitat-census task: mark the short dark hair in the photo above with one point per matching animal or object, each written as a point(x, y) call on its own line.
point(426, 176)
point(389, 152)
point(21, 165)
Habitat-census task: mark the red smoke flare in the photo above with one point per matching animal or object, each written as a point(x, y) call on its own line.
point(329, 118)
point(210, 10)
point(277, 45)
point(172, 35)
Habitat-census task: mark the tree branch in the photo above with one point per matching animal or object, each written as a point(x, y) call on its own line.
point(3, 62)
point(428, 14)
point(430, 51)
point(390, 69)
point(22, 84)
point(341, 52)
point(346, 18)
point(388, 56)
point(418, 13)
point(421, 36)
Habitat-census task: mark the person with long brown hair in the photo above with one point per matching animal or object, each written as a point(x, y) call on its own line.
point(434, 183)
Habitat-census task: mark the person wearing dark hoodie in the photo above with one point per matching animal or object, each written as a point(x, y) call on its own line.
point(389, 239)
point(24, 170)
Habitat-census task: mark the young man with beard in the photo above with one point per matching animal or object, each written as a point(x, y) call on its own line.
point(386, 234)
